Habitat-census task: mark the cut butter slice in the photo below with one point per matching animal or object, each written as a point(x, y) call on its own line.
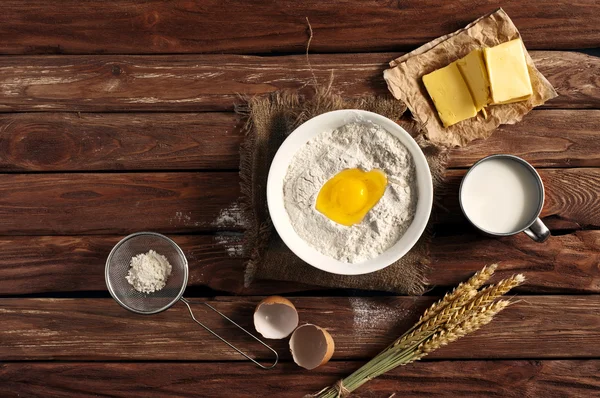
point(507, 72)
point(450, 94)
point(474, 73)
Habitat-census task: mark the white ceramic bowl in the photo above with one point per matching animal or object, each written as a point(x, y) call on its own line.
point(281, 220)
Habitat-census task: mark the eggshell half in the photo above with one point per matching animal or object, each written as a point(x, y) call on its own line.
point(275, 317)
point(311, 346)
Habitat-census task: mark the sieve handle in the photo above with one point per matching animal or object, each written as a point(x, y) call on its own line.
point(187, 304)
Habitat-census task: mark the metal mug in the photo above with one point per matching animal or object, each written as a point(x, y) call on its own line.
point(534, 228)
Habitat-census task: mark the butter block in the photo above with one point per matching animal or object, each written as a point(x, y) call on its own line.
point(513, 100)
point(507, 72)
point(474, 73)
point(450, 94)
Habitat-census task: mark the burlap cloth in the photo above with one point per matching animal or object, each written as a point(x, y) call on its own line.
point(270, 120)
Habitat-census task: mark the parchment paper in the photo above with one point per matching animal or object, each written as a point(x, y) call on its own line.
point(404, 80)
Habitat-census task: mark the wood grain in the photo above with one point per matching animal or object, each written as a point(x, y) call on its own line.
point(545, 138)
point(214, 82)
point(508, 379)
point(566, 263)
point(571, 198)
point(237, 27)
point(574, 192)
point(184, 202)
point(155, 113)
point(74, 142)
point(99, 329)
point(200, 141)
point(61, 264)
point(118, 203)
point(51, 264)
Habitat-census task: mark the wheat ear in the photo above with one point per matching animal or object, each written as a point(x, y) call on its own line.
point(451, 317)
point(459, 313)
point(457, 309)
point(475, 321)
point(428, 327)
point(474, 283)
point(489, 294)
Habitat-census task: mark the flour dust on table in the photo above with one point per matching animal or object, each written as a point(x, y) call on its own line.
point(367, 147)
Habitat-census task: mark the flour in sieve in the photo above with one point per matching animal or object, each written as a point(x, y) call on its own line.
point(148, 272)
point(356, 145)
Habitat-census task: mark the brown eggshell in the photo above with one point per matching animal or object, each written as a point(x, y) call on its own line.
point(275, 317)
point(311, 346)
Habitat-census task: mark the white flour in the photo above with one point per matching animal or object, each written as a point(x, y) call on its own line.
point(148, 272)
point(373, 313)
point(232, 243)
point(357, 145)
point(231, 216)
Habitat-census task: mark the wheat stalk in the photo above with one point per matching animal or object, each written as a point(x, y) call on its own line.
point(453, 332)
point(434, 315)
point(474, 283)
point(429, 326)
point(463, 311)
point(492, 292)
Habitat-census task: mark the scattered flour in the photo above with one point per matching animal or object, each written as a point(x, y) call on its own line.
point(370, 313)
point(184, 219)
point(357, 145)
point(232, 216)
point(233, 244)
point(148, 272)
point(179, 216)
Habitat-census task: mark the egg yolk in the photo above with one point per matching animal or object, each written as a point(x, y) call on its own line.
point(349, 195)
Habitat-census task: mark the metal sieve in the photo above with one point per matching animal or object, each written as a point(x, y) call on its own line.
point(117, 268)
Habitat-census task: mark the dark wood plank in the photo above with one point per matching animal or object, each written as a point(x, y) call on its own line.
point(118, 203)
point(99, 329)
point(75, 263)
point(545, 138)
point(571, 198)
point(567, 263)
point(173, 141)
point(116, 141)
point(229, 26)
point(564, 264)
point(57, 264)
point(508, 379)
point(571, 79)
point(214, 82)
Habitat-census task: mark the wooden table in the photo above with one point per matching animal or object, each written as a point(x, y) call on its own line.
point(117, 117)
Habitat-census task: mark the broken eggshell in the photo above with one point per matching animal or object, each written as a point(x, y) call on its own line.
point(275, 317)
point(311, 346)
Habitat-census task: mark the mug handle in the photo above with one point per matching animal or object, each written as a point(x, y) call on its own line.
point(538, 231)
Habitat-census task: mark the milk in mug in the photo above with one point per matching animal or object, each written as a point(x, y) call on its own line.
point(501, 196)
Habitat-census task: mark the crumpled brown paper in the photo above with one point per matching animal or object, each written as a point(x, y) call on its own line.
point(405, 82)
